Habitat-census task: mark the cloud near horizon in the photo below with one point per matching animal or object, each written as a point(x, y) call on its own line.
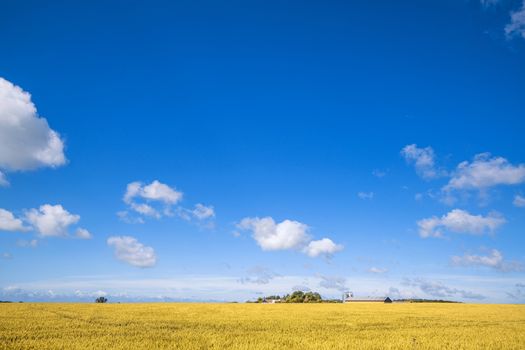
point(439, 290)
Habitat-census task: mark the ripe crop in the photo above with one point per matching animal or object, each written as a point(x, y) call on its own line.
point(261, 326)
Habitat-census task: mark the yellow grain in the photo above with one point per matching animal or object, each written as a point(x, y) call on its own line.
point(260, 326)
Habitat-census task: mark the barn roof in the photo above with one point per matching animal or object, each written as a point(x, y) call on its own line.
point(366, 298)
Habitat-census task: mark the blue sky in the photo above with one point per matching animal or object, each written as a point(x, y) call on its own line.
point(205, 151)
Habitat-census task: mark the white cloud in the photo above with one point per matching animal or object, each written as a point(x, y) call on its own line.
point(423, 160)
point(131, 251)
point(26, 140)
point(485, 172)
point(493, 260)
point(323, 246)
point(201, 215)
point(82, 233)
point(202, 212)
point(365, 195)
point(287, 234)
point(157, 200)
point(517, 23)
point(8, 222)
point(519, 201)
point(51, 220)
point(206, 287)
point(155, 191)
point(6, 256)
point(145, 209)
point(151, 193)
point(377, 270)
point(459, 221)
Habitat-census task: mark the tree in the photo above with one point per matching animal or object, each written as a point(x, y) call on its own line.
point(101, 300)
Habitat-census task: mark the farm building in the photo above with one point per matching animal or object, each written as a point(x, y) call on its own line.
point(349, 297)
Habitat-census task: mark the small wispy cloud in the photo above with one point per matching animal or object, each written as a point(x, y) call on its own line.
point(365, 195)
point(493, 260)
point(333, 282)
point(439, 290)
point(377, 270)
point(519, 201)
point(516, 27)
point(258, 275)
point(423, 160)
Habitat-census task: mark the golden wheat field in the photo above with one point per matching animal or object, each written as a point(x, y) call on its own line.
point(261, 326)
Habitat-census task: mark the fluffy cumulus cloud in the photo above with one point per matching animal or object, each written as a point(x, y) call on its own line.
point(437, 289)
point(516, 27)
point(157, 200)
point(323, 247)
point(270, 235)
point(26, 140)
point(423, 160)
point(484, 172)
point(155, 191)
point(140, 198)
point(493, 260)
point(131, 251)
point(519, 201)
point(459, 221)
point(51, 220)
point(287, 234)
point(8, 222)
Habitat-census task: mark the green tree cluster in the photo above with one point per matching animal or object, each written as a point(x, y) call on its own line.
point(295, 297)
